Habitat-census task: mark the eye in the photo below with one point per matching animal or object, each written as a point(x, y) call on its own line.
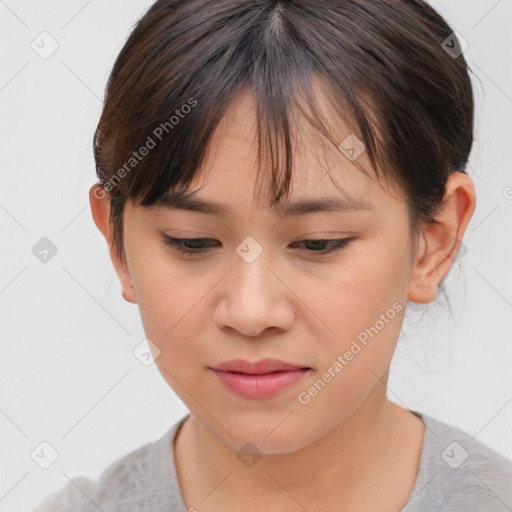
point(331, 245)
point(197, 245)
point(182, 244)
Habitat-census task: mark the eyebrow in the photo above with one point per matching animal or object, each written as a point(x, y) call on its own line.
point(190, 202)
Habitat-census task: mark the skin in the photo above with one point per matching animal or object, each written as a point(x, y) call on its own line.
point(349, 445)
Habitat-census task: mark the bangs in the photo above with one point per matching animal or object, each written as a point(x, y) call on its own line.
point(378, 67)
point(177, 127)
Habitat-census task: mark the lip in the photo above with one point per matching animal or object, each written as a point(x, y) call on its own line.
point(259, 379)
point(260, 367)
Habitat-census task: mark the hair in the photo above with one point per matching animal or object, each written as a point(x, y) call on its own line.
point(382, 64)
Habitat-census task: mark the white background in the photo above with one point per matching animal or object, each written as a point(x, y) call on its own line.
point(68, 374)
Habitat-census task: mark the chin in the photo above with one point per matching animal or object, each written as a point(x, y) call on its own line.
point(260, 435)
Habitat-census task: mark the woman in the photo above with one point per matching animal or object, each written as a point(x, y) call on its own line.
point(277, 180)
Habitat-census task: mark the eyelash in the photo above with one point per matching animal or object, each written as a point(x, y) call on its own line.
point(177, 244)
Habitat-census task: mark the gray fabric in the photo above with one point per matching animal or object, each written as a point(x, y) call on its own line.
point(456, 473)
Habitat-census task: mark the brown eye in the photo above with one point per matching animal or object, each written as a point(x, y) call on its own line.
point(326, 246)
point(188, 245)
point(200, 245)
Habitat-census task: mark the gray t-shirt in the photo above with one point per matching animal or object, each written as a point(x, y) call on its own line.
point(456, 473)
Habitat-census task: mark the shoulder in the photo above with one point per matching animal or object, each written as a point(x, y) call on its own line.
point(135, 481)
point(459, 472)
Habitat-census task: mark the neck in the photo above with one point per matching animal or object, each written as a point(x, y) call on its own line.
point(365, 451)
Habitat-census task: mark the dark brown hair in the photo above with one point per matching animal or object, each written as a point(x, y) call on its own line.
point(384, 65)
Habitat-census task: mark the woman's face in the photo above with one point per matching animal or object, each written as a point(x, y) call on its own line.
point(256, 292)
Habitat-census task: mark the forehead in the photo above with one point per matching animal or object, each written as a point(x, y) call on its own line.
point(323, 178)
point(228, 188)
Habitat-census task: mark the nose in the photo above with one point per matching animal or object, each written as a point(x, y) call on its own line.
point(255, 298)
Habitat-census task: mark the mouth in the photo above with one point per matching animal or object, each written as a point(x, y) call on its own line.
point(260, 367)
point(263, 379)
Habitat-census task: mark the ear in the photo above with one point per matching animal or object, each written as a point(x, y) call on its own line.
point(440, 241)
point(99, 200)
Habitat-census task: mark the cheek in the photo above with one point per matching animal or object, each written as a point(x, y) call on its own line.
point(351, 297)
point(364, 314)
point(364, 341)
point(361, 306)
point(168, 299)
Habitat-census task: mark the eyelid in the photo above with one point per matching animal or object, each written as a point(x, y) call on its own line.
point(334, 245)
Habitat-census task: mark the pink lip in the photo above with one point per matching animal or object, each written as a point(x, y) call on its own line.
point(262, 366)
point(260, 379)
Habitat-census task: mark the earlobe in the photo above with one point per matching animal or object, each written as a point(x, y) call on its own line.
point(127, 288)
point(100, 208)
point(441, 240)
point(129, 294)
